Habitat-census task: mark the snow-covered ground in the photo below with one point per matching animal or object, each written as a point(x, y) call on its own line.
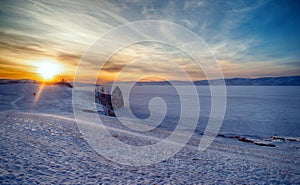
point(41, 143)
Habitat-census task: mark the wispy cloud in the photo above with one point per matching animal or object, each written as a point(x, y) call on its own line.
point(234, 30)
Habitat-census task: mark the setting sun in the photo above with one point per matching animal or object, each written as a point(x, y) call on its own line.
point(48, 69)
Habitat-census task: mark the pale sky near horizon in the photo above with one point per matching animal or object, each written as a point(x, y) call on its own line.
point(248, 38)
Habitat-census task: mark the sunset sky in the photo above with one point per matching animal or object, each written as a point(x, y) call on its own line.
point(248, 38)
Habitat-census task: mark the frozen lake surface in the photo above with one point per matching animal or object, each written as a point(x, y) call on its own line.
point(257, 111)
point(251, 111)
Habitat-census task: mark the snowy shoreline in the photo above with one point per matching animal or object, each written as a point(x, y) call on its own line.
point(38, 148)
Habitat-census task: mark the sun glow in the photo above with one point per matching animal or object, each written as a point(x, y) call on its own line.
point(48, 69)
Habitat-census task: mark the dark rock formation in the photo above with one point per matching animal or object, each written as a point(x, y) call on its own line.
point(110, 102)
point(264, 144)
point(117, 99)
point(243, 139)
point(64, 82)
point(246, 140)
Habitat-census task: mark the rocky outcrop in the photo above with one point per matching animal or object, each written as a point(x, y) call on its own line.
point(264, 144)
point(243, 139)
point(260, 142)
point(110, 102)
point(117, 99)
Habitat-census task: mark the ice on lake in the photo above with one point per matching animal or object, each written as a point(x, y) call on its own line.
point(258, 111)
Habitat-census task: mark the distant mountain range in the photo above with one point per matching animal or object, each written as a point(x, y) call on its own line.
point(10, 81)
point(264, 81)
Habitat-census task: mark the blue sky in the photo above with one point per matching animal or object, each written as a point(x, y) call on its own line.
point(249, 38)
